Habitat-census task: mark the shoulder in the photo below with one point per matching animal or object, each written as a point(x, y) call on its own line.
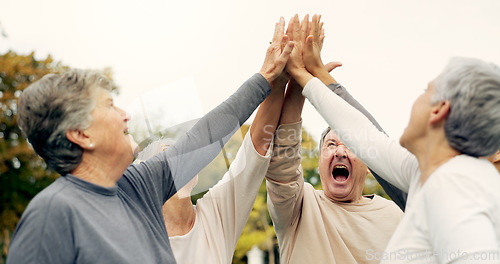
point(55, 195)
point(381, 203)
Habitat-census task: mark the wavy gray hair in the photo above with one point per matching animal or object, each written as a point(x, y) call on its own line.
point(54, 104)
point(472, 87)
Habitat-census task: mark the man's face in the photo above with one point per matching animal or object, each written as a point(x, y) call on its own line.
point(342, 173)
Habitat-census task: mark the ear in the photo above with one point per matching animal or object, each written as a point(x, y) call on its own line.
point(80, 138)
point(439, 112)
point(496, 157)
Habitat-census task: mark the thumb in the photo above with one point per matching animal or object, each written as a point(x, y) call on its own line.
point(309, 43)
point(332, 65)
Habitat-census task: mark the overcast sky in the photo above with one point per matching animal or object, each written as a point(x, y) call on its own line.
point(204, 50)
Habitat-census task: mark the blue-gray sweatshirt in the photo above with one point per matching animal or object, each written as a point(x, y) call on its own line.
point(74, 221)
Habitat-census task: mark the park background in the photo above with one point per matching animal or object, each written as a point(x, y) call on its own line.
point(173, 61)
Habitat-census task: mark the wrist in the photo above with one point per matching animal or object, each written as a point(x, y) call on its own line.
point(302, 77)
point(325, 77)
point(269, 78)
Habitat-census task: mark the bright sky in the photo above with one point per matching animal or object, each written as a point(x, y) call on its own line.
point(204, 50)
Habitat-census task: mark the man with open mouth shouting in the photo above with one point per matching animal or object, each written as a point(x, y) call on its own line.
point(337, 224)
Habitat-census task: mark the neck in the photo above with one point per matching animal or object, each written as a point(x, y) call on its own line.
point(179, 215)
point(435, 152)
point(99, 170)
point(497, 166)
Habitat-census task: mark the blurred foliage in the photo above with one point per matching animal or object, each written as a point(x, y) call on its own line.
point(22, 172)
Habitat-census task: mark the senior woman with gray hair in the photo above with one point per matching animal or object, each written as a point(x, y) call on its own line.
point(103, 209)
point(453, 209)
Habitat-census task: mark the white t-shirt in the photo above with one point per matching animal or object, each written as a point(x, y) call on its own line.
point(453, 218)
point(223, 211)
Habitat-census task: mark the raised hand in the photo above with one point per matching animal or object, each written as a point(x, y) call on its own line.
point(312, 46)
point(295, 66)
point(312, 52)
point(277, 54)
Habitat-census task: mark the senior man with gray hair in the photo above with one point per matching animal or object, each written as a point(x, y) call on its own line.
point(452, 214)
point(337, 224)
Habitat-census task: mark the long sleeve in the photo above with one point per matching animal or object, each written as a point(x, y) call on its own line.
point(225, 208)
point(398, 196)
point(167, 172)
point(372, 146)
point(285, 179)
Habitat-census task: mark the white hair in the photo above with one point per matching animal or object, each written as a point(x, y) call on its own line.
point(472, 87)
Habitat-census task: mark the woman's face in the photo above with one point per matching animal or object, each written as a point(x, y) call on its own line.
point(419, 120)
point(108, 131)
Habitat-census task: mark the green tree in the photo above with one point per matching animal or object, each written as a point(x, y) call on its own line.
point(22, 172)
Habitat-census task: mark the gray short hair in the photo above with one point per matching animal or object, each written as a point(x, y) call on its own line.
point(472, 87)
point(54, 104)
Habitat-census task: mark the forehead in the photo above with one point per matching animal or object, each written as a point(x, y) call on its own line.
point(331, 136)
point(102, 94)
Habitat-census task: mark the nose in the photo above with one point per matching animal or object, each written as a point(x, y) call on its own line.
point(125, 113)
point(341, 152)
point(127, 116)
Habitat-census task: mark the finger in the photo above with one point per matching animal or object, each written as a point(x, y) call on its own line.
point(296, 28)
point(276, 36)
point(317, 32)
point(303, 28)
point(289, 30)
point(285, 54)
point(284, 41)
point(332, 65)
point(314, 27)
point(309, 44)
point(281, 28)
point(321, 40)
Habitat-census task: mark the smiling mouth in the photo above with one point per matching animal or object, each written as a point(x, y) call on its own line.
point(340, 173)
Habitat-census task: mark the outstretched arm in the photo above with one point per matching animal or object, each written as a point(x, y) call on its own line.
point(172, 169)
point(284, 176)
point(313, 63)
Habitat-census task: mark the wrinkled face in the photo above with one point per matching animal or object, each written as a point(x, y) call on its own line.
point(108, 130)
point(419, 120)
point(342, 173)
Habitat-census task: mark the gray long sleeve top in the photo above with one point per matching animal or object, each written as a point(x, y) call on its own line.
point(74, 221)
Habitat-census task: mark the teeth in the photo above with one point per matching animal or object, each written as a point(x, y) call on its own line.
point(340, 167)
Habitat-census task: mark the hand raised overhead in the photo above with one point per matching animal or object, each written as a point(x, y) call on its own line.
point(277, 54)
point(312, 46)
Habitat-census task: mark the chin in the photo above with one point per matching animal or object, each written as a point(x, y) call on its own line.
point(403, 139)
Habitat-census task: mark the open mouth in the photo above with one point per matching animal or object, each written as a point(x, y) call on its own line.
point(340, 173)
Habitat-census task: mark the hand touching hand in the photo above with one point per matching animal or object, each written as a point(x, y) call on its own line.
point(312, 46)
point(277, 54)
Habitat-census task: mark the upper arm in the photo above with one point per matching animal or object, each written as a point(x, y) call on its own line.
point(231, 200)
point(43, 235)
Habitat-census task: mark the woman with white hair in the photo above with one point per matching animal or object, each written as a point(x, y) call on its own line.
point(103, 209)
point(453, 209)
